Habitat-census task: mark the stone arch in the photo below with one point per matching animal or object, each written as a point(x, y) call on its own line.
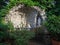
point(27, 15)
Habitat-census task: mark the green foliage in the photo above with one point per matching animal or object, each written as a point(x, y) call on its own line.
point(57, 8)
point(53, 21)
point(22, 37)
point(53, 24)
point(3, 31)
point(10, 26)
point(2, 4)
point(12, 3)
point(45, 3)
point(53, 18)
point(18, 37)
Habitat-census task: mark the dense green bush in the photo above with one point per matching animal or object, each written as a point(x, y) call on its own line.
point(53, 26)
point(22, 37)
point(53, 21)
point(14, 37)
point(4, 31)
point(9, 36)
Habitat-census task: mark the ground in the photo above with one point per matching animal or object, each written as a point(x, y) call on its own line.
point(35, 43)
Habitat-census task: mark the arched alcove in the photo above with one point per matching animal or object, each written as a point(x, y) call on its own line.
point(25, 17)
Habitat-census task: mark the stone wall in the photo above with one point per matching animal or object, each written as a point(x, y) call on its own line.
point(26, 17)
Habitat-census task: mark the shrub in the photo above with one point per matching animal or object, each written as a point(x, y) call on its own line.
point(53, 26)
point(22, 37)
point(4, 32)
point(15, 37)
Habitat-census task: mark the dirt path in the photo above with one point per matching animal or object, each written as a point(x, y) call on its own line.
point(34, 43)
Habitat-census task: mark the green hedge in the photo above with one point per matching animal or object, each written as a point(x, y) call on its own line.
point(22, 37)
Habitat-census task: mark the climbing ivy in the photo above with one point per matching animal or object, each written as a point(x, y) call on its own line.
point(45, 4)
